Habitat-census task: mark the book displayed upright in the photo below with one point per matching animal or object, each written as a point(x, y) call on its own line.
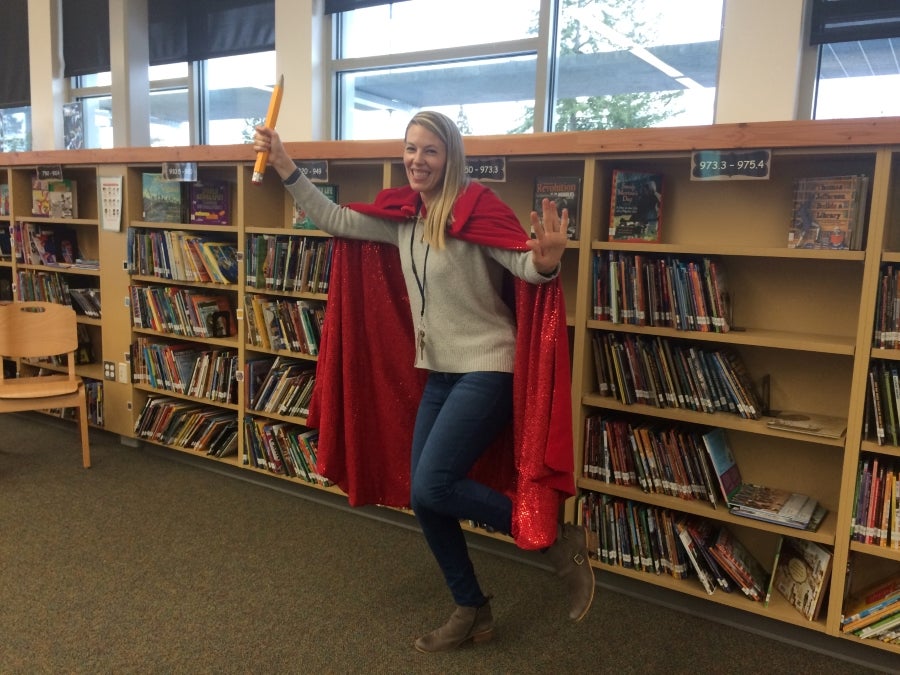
point(566, 192)
point(300, 220)
point(54, 198)
point(636, 206)
point(163, 200)
point(802, 575)
point(829, 212)
point(209, 202)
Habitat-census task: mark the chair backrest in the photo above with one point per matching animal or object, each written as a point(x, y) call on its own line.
point(33, 329)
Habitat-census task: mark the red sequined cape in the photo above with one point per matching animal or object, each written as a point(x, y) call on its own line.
point(367, 390)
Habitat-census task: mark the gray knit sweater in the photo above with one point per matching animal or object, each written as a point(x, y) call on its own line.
point(467, 327)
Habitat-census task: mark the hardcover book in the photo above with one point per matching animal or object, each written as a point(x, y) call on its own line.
point(4, 199)
point(566, 192)
point(163, 199)
point(829, 212)
point(802, 574)
point(300, 220)
point(210, 202)
point(635, 211)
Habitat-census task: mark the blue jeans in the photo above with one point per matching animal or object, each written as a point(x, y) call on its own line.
point(460, 414)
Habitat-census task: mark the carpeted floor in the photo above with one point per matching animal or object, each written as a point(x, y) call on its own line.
point(147, 563)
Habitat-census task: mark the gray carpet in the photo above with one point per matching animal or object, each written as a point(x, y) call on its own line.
point(148, 563)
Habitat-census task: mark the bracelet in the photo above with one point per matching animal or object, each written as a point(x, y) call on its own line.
point(293, 178)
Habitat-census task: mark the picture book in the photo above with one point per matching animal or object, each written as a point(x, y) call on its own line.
point(727, 472)
point(163, 199)
point(209, 202)
point(744, 568)
point(829, 212)
point(54, 198)
point(635, 210)
point(566, 192)
point(802, 575)
point(4, 199)
point(300, 220)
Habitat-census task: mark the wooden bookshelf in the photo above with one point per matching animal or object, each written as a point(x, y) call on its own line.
point(805, 317)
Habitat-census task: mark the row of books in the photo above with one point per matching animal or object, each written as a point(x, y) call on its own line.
point(93, 391)
point(659, 459)
point(182, 311)
point(664, 373)
point(829, 212)
point(655, 540)
point(188, 425)
point(54, 287)
point(280, 386)
point(185, 368)
point(56, 198)
point(202, 202)
point(182, 256)
point(882, 410)
point(660, 290)
point(286, 263)
point(886, 334)
point(44, 244)
point(282, 448)
point(876, 506)
point(284, 324)
point(873, 612)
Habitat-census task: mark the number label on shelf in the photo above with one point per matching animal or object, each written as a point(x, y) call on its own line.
point(487, 168)
point(314, 169)
point(52, 172)
point(731, 164)
point(180, 171)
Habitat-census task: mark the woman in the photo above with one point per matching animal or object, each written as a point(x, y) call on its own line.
point(446, 246)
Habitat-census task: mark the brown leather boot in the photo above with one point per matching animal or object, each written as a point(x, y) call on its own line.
point(569, 557)
point(466, 623)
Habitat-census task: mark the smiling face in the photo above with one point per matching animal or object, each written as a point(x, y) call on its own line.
point(425, 159)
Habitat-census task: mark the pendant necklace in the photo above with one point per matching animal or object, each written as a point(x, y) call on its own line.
point(420, 335)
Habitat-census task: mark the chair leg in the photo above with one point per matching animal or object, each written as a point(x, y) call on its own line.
point(83, 429)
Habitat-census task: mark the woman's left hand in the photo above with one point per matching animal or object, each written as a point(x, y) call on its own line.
point(550, 237)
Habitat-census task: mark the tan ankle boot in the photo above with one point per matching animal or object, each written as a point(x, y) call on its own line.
point(569, 557)
point(466, 623)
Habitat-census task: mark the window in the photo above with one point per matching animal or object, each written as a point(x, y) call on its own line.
point(228, 106)
point(859, 58)
point(613, 64)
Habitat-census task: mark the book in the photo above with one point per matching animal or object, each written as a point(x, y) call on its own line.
point(871, 604)
point(635, 210)
point(300, 220)
point(4, 199)
point(566, 192)
point(209, 202)
point(73, 125)
point(828, 212)
point(808, 423)
point(802, 575)
point(759, 502)
point(163, 200)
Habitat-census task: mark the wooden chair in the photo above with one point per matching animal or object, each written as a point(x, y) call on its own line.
point(40, 329)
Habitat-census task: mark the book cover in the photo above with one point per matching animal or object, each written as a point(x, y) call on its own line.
point(73, 125)
point(566, 192)
point(4, 199)
point(300, 220)
point(728, 474)
point(210, 202)
point(802, 574)
point(635, 207)
point(163, 200)
point(828, 212)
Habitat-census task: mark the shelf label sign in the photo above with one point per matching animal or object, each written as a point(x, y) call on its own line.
point(731, 164)
point(52, 172)
point(314, 169)
point(179, 171)
point(492, 169)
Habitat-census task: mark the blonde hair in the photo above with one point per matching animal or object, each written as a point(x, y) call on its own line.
point(440, 212)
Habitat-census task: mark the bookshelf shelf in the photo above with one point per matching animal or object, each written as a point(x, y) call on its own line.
point(804, 318)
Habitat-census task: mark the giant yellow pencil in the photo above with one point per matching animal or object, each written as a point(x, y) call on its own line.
point(259, 168)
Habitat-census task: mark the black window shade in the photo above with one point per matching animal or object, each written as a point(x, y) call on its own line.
point(15, 74)
point(851, 20)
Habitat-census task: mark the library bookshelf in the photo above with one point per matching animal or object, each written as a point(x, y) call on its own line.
point(802, 320)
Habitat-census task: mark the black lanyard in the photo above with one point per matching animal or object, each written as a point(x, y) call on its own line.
point(419, 282)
